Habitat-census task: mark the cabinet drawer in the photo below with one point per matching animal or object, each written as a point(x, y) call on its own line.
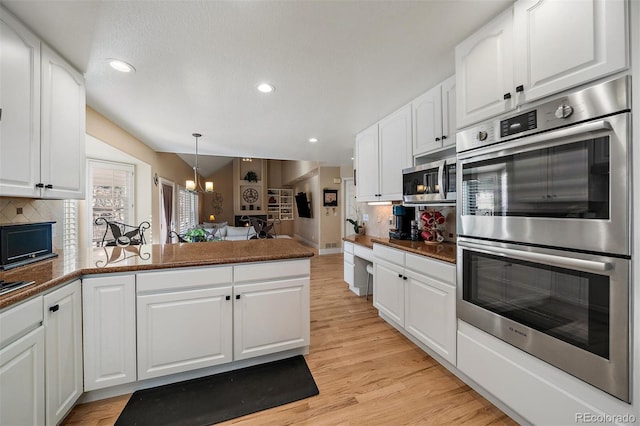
point(437, 269)
point(271, 270)
point(363, 252)
point(389, 254)
point(183, 279)
point(348, 258)
point(18, 320)
point(348, 247)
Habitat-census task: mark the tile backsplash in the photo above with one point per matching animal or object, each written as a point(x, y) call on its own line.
point(23, 210)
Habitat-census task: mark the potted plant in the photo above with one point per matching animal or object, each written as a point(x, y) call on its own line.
point(196, 235)
point(357, 227)
point(251, 177)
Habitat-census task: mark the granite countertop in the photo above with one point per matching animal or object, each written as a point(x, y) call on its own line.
point(443, 251)
point(70, 265)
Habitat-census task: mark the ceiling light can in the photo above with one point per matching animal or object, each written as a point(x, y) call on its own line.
point(265, 87)
point(120, 65)
point(313, 140)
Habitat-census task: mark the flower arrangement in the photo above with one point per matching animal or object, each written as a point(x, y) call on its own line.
point(196, 235)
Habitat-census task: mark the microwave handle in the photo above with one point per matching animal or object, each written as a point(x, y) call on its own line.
point(547, 259)
point(441, 188)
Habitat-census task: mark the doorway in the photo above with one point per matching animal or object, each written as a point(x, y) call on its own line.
point(167, 210)
point(349, 205)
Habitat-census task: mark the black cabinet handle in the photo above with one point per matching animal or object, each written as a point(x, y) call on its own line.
point(227, 298)
point(520, 88)
point(54, 308)
point(39, 185)
point(404, 277)
point(444, 137)
point(399, 275)
point(507, 96)
point(237, 296)
point(49, 186)
point(437, 139)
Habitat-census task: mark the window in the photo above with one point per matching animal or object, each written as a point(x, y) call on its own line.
point(111, 195)
point(187, 210)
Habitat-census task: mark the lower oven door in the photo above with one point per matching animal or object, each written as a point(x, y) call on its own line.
point(568, 309)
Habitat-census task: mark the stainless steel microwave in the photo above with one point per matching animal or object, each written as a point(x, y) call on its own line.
point(430, 183)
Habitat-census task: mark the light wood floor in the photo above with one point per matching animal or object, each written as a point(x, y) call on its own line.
point(367, 372)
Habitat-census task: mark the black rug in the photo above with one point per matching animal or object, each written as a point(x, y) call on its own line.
point(221, 397)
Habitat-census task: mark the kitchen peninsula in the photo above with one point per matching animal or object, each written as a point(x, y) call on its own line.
point(117, 319)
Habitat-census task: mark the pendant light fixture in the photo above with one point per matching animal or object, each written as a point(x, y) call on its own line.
point(194, 185)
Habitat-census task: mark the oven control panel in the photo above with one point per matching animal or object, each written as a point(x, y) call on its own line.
point(518, 124)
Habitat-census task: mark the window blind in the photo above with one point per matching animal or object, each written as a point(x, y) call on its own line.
point(187, 210)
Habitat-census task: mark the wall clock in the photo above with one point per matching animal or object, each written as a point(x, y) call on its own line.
point(250, 195)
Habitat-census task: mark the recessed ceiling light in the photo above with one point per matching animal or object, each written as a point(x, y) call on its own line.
point(313, 140)
point(266, 87)
point(120, 65)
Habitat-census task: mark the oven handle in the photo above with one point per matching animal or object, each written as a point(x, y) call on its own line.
point(441, 188)
point(594, 126)
point(547, 259)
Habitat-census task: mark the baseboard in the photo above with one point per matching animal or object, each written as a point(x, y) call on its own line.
point(306, 242)
point(330, 251)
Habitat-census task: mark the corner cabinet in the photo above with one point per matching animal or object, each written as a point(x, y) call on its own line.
point(531, 51)
point(382, 151)
point(42, 124)
point(63, 343)
point(417, 294)
point(109, 330)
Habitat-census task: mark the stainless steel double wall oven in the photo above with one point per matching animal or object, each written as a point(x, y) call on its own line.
point(544, 247)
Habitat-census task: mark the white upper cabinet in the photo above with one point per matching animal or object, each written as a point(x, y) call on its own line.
point(20, 109)
point(484, 71)
point(434, 120)
point(536, 49)
point(367, 162)
point(42, 118)
point(554, 52)
point(63, 128)
point(382, 151)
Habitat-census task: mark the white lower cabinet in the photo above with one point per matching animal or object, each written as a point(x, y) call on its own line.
point(63, 342)
point(22, 393)
point(184, 320)
point(109, 330)
point(271, 308)
point(418, 293)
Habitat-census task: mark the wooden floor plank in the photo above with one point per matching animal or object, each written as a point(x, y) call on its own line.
point(367, 372)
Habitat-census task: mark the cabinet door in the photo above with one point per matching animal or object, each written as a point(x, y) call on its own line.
point(367, 163)
point(184, 330)
point(22, 381)
point(449, 112)
point(20, 109)
point(63, 124)
point(484, 72)
point(63, 337)
point(349, 269)
point(554, 53)
point(427, 121)
point(388, 291)
point(396, 152)
point(270, 317)
point(109, 330)
point(430, 314)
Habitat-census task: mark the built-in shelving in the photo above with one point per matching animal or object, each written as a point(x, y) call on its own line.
point(279, 204)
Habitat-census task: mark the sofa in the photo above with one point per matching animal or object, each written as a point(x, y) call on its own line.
point(223, 231)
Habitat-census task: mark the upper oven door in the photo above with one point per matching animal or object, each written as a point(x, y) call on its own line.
point(564, 188)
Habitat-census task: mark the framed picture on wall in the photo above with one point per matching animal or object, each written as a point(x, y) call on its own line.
point(330, 197)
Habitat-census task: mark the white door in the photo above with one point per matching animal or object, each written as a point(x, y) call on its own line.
point(396, 149)
point(270, 317)
point(349, 208)
point(367, 164)
point(20, 109)
point(182, 331)
point(109, 330)
point(63, 338)
point(63, 129)
point(484, 72)
point(430, 314)
point(22, 381)
point(554, 53)
point(388, 291)
point(427, 121)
